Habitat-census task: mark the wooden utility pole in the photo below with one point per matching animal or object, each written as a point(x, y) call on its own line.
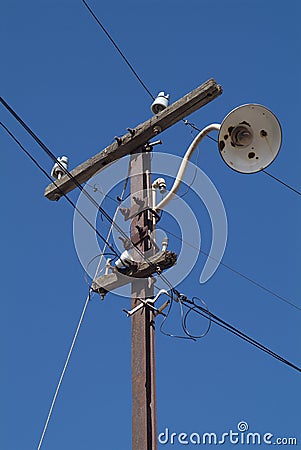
point(144, 417)
point(136, 144)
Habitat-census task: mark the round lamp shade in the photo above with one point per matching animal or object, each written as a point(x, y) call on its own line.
point(249, 138)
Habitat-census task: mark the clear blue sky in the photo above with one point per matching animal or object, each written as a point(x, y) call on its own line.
point(62, 75)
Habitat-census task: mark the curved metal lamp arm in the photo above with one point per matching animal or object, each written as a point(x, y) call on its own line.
point(184, 163)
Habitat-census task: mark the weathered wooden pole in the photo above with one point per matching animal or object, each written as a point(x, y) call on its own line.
point(144, 415)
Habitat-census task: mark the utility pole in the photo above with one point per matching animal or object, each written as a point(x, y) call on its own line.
point(144, 417)
point(136, 144)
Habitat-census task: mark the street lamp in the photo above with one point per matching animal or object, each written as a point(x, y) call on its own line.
point(249, 139)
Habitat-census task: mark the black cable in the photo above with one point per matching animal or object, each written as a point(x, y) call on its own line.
point(189, 336)
point(118, 49)
point(183, 318)
point(185, 323)
point(218, 321)
point(65, 195)
point(282, 182)
point(55, 160)
point(93, 259)
point(166, 317)
point(204, 312)
point(198, 129)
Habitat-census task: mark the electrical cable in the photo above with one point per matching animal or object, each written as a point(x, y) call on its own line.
point(282, 182)
point(97, 188)
point(256, 283)
point(185, 323)
point(64, 370)
point(218, 321)
point(80, 187)
point(114, 218)
point(166, 317)
point(118, 49)
point(206, 313)
point(51, 180)
point(186, 122)
point(90, 262)
point(189, 336)
point(183, 320)
point(115, 200)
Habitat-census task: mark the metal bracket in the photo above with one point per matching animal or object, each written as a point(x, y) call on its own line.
point(148, 302)
point(149, 145)
point(132, 131)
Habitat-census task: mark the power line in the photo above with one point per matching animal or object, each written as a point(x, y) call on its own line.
point(65, 195)
point(184, 323)
point(204, 312)
point(282, 182)
point(55, 160)
point(129, 64)
point(186, 122)
point(220, 322)
point(167, 315)
point(118, 49)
